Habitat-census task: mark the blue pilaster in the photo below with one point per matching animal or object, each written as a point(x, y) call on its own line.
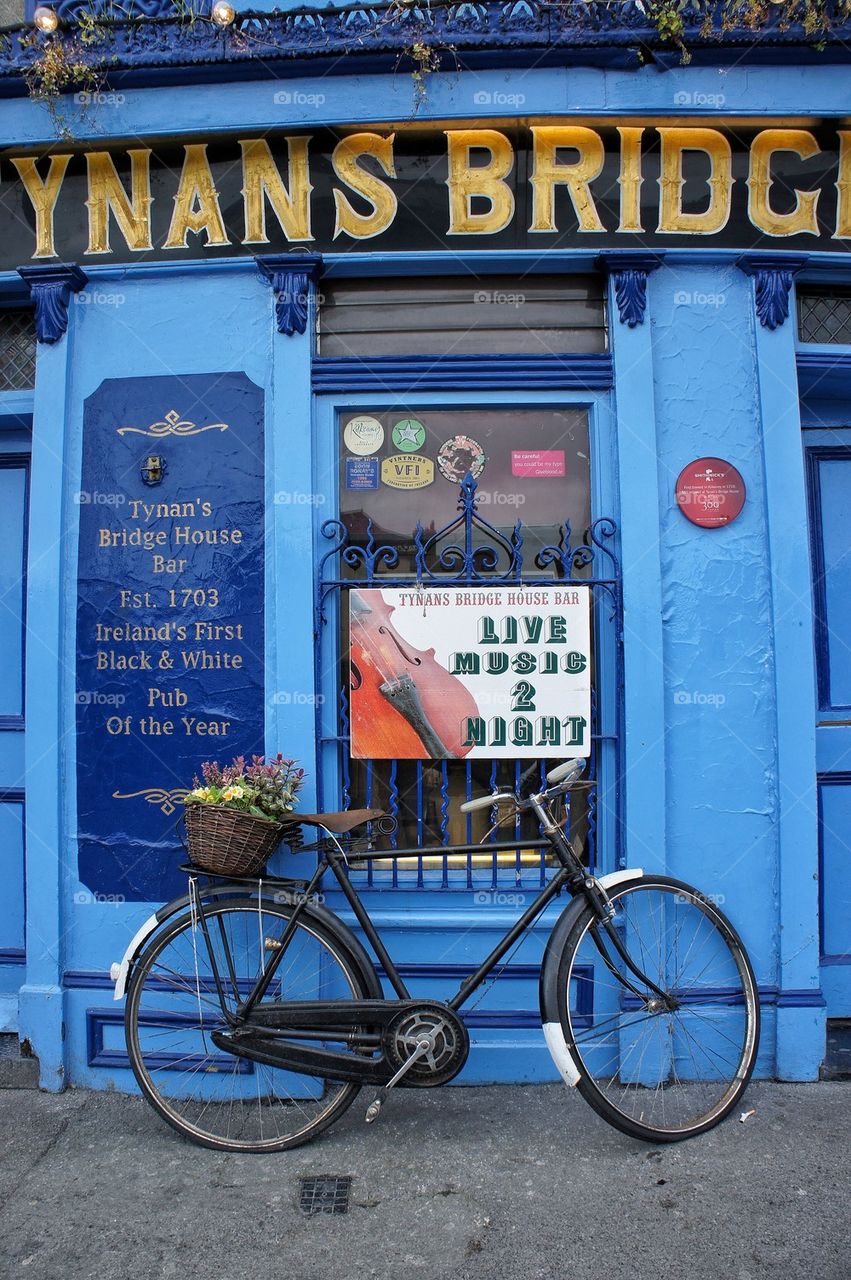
point(644, 685)
point(296, 493)
point(42, 998)
point(800, 1014)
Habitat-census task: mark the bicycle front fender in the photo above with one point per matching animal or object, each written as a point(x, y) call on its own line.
point(553, 1032)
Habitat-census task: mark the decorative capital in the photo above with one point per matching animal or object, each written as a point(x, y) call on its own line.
point(50, 289)
point(773, 274)
point(629, 269)
point(291, 276)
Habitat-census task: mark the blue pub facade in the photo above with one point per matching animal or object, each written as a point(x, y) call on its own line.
point(291, 304)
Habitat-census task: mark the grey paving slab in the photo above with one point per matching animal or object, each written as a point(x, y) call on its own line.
point(475, 1184)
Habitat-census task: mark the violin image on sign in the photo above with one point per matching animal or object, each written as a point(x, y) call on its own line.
point(404, 704)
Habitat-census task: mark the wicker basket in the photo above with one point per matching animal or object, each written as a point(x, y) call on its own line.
point(229, 842)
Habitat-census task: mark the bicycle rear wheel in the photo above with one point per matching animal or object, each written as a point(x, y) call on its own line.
point(660, 1069)
point(219, 1100)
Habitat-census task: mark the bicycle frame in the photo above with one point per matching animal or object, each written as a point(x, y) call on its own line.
point(334, 1015)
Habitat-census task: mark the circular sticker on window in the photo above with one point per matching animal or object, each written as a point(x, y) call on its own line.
point(458, 456)
point(409, 435)
point(363, 435)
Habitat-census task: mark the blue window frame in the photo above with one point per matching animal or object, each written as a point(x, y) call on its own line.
point(601, 825)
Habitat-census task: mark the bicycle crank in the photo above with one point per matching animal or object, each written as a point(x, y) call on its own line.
point(428, 1045)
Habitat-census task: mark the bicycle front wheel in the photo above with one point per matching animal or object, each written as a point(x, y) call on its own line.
point(667, 1066)
point(219, 1100)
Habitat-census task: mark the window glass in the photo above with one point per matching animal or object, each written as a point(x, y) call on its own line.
point(403, 466)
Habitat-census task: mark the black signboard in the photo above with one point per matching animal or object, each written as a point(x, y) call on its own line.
point(561, 185)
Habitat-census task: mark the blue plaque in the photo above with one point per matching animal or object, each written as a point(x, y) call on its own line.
point(170, 665)
point(361, 473)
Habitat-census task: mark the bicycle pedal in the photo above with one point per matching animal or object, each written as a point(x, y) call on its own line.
point(373, 1110)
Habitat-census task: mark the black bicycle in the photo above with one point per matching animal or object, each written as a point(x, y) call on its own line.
point(254, 1015)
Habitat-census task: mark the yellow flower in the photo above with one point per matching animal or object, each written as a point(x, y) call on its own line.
point(200, 793)
point(233, 793)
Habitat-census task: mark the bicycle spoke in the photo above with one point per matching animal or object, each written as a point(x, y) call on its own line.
point(664, 1068)
point(227, 1101)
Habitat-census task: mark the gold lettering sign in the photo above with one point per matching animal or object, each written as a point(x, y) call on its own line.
point(465, 181)
point(261, 181)
point(548, 173)
point(377, 193)
point(483, 180)
point(43, 196)
point(672, 216)
point(630, 179)
point(107, 195)
point(196, 205)
point(803, 216)
point(843, 187)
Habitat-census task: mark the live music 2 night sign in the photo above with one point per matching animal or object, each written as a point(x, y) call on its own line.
point(169, 613)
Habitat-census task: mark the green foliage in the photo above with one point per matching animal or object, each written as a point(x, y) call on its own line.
point(266, 789)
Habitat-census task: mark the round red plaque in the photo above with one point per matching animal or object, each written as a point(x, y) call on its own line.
point(710, 492)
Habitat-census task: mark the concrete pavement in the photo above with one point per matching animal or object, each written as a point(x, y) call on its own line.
point(474, 1184)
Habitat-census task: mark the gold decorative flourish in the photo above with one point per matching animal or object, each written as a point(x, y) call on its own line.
point(167, 800)
point(171, 424)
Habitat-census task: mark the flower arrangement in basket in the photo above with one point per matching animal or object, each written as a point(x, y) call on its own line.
point(235, 819)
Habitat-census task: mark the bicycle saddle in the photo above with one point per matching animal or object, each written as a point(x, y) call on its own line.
point(339, 823)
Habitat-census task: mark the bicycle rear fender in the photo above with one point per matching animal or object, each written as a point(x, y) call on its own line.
point(120, 971)
point(553, 1032)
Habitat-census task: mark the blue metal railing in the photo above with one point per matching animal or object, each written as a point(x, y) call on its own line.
point(469, 550)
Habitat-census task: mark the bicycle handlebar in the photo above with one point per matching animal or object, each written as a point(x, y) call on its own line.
point(564, 776)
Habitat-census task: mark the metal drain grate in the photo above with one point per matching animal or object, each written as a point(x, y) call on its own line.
point(324, 1195)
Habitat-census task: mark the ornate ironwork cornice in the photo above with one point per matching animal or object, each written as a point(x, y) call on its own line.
point(51, 288)
point(772, 275)
point(595, 30)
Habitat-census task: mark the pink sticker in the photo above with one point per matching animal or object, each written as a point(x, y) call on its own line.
point(537, 462)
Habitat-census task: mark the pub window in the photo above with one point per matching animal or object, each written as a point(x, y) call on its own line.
point(401, 467)
point(17, 350)
point(824, 315)
point(463, 315)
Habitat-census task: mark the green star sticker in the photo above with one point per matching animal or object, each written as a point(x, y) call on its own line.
point(409, 435)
